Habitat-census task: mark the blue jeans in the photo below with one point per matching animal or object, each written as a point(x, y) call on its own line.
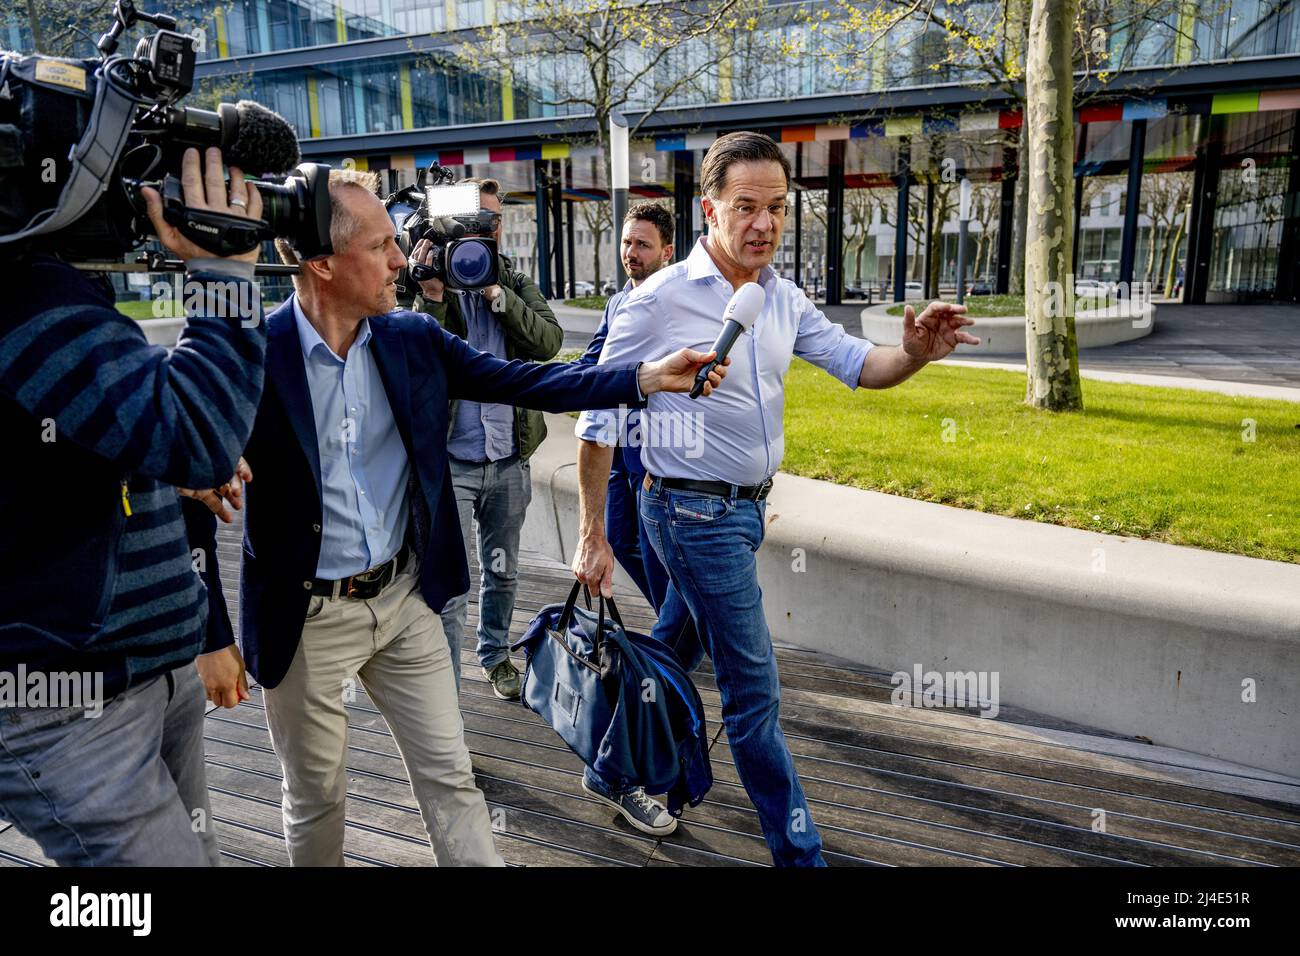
point(493, 495)
point(126, 788)
point(708, 544)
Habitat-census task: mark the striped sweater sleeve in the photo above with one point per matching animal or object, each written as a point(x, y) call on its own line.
point(181, 417)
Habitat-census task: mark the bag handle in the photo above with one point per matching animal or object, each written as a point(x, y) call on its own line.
point(566, 615)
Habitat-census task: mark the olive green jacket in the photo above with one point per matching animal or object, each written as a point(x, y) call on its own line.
point(532, 333)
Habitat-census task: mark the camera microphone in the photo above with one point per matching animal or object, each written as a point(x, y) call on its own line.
point(257, 140)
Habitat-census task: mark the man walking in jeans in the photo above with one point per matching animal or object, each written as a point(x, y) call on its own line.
point(704, 516)
point(609, 516)
point(490, 444)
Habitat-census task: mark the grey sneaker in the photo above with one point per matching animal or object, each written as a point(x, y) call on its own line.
point(505, 680)
point(645, 813)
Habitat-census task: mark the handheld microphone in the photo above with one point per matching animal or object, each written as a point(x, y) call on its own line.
point(741, 311)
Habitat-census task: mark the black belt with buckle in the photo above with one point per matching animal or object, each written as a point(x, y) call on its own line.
point(719, 488)
point(365, 585)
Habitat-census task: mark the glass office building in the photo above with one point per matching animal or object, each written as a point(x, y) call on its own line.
point(1200, 118)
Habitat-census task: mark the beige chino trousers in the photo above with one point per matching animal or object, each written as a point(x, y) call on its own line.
point(395, 646)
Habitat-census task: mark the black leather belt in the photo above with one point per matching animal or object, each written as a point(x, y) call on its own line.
point(719, 488)
point(365, 585)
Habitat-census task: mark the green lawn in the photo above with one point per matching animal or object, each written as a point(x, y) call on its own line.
point(142, 310)
point(1159, 463)
point(588, 302)
point(993, 306)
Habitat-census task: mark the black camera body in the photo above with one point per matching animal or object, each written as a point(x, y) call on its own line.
point(448, 214)
point(80, 137)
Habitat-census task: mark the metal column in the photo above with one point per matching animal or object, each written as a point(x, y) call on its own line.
point(798, 215)
point(1132, 205)
point(569, 208)
point(835, 223)
point(928, 293)
point(1288, 258)
point(557, 210)
point(540, 185)
point(904, 177)
point(683, 202)
point(1080, 151)
point(1006, 228)
point(1205, 195)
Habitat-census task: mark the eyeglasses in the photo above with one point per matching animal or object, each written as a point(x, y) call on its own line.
point(749, 210)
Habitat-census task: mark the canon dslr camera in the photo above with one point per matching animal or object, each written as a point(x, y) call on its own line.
point(450, 216)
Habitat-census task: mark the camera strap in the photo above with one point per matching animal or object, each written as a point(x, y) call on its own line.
point(93, 158)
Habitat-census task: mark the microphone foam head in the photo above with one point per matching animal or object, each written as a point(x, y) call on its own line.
point(265, 143)
point(745, 305)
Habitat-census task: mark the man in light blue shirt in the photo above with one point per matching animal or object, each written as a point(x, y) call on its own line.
point(710, 464)
point(364, 468)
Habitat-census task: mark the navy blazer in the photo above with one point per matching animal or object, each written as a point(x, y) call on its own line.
point(422, 367)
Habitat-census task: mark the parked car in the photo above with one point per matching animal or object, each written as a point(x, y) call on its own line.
point(1092, 288)
point(854, 292)
point(608, 287)
point(913, 290)
point(582, 287)
point(980, 287)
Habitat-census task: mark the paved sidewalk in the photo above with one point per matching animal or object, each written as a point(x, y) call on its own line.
point(1257, 344)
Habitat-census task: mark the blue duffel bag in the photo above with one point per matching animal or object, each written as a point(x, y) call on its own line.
point(621, 701)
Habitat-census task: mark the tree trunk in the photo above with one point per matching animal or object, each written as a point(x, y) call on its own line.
point(1155, 270)
point(1171, 270)
point(1016, 281)
point(934, 246)
point(1151, 252)
point(1051, 349)
point(595, 255)
point(34, 22)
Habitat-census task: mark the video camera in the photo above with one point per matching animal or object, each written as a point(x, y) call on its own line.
point(450, 216)
point(80, 137)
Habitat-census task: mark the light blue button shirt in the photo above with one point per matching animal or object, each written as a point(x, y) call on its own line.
point(482, 431)
point(363, 464)
point(737, 434)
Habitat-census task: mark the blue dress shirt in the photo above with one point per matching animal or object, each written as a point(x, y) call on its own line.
point(737, 434)
point(482, 432)
point(363, 464)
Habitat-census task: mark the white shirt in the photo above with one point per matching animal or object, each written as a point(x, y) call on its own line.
point(737, 433)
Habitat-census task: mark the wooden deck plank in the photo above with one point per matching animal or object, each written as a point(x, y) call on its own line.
point(886, 785)
point(379, 796)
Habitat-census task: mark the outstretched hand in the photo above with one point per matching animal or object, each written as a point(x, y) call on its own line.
point(937, 331)
point(676, 372)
